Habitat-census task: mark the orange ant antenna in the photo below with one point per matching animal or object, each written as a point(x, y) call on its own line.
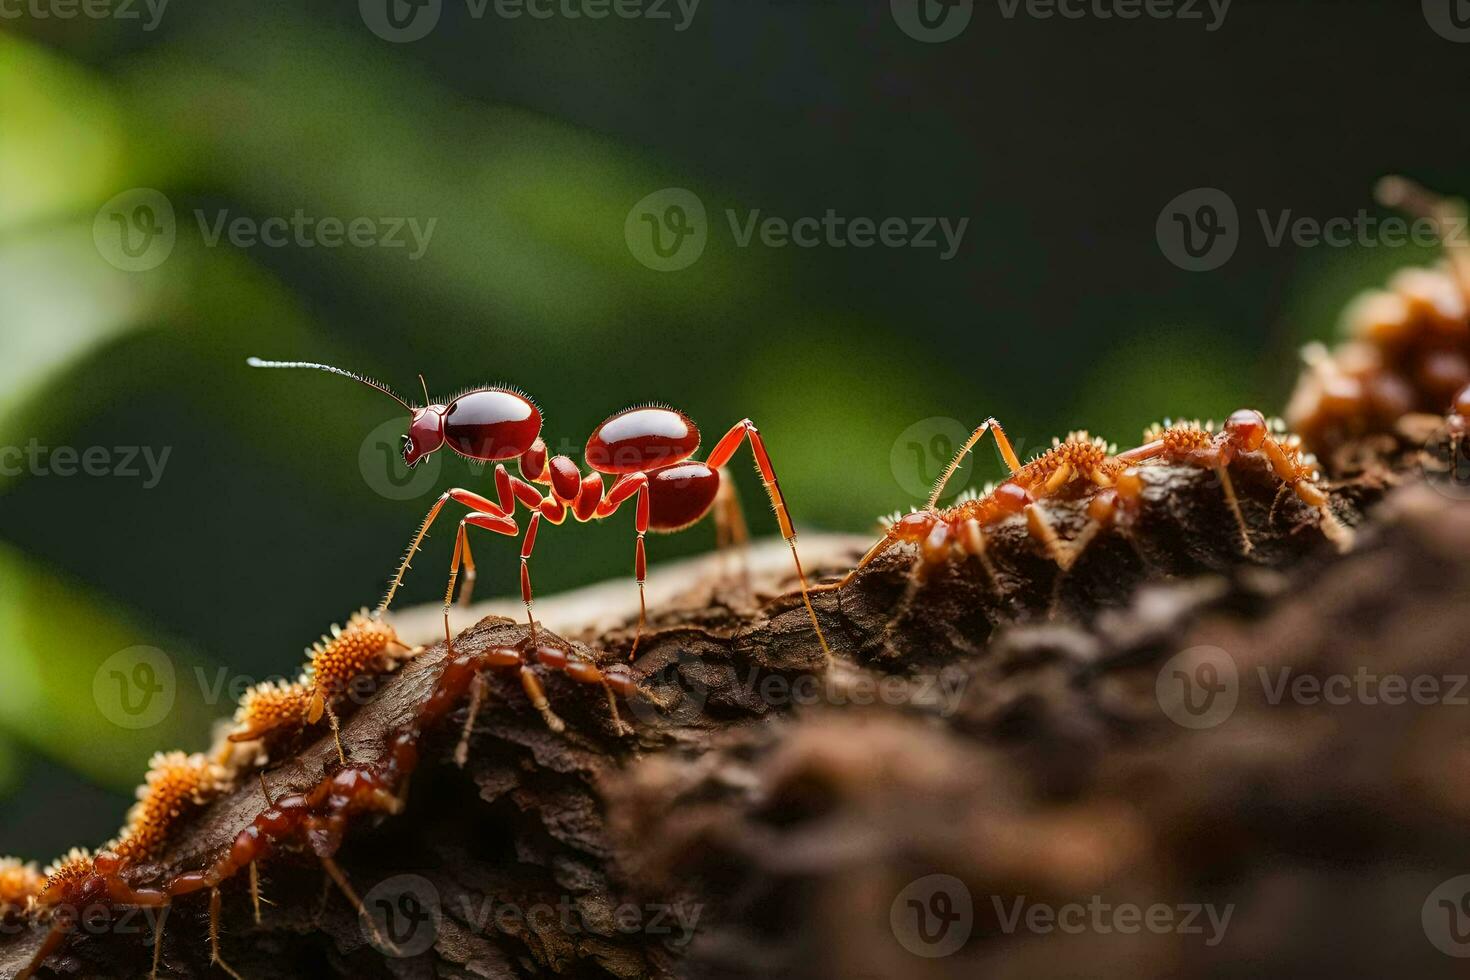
point(256, 362)
point(425, 385)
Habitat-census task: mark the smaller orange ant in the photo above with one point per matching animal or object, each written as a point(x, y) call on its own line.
point(1081, 467)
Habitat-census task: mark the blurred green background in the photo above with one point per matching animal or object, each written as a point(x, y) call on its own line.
point(528, 142)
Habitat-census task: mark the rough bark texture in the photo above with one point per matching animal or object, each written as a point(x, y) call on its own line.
point(1015, 730)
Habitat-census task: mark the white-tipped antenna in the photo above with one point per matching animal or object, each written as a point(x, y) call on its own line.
point(256, 362)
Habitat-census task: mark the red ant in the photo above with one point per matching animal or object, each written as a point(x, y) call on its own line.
point(647, 450)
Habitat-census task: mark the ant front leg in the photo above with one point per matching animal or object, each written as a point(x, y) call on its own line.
point(724, 449)
point(472, 500)
point(1002, 443)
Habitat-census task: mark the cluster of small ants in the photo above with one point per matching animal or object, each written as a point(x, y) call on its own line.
point(1408, 351)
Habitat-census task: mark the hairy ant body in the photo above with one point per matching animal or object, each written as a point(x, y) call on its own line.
point(647, 451)
point(1112, 484)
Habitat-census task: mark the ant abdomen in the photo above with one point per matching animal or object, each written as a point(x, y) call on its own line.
point(680, 494)
point(641, 439)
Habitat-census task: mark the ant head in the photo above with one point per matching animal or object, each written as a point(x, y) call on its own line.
point(1247, 429)
point(425, 434)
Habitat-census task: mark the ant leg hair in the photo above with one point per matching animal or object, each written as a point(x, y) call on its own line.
point(720, 455)
point(471, 500)
point(491, 522)
point(214, 956)
point(1001, 442)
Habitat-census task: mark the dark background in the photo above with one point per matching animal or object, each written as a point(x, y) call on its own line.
point(529, 141)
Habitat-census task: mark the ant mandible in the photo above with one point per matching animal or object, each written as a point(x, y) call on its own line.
point(648, 451)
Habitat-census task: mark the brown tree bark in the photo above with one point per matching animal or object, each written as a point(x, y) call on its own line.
point(1010, 727)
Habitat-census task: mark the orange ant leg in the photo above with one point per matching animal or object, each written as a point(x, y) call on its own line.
point(477, 694)
point(467, 587)
point(55, 938)
point(470, 499)
point(1002, 443)
point(933, 551)
point(158, 941)
point(531, 684)
point(345, 887)
point(214, 957)
point(720, 455)
point(491, 522)
point(731, 532)
point(640, 565)
point(627, 486)
point(528, 544)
